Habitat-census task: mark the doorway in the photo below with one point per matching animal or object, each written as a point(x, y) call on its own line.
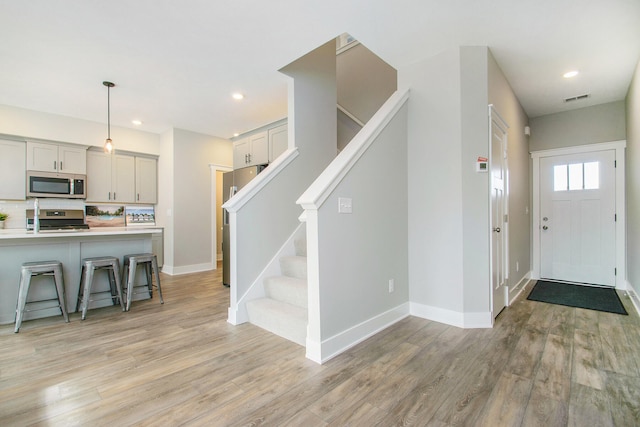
point(578, 214)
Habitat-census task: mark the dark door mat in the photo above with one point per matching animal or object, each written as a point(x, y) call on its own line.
point(589, 297)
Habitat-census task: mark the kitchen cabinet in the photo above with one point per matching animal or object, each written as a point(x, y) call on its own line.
point(251, 151)
point(120, 178)
point(61, 158)
point(146, 180)
point(278, 141)
point(13, 170)
point(110, 177)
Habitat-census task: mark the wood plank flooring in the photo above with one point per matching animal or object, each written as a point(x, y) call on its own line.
point(181, 363)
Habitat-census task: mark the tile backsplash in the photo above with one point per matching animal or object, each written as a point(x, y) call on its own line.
point(16, 209)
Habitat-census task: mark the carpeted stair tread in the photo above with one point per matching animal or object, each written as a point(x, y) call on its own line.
point(286, 320)
point(294, 266)
point(287, 289)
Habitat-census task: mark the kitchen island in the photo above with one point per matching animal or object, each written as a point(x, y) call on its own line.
point(69, 247)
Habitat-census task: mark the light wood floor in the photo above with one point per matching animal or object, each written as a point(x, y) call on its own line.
point(181, 363)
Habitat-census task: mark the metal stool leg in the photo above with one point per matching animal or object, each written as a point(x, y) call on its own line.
point(154, 264)
point(147, 270)
point(59, 280)
point(87, 280)
point(118, 282)
point(25, 282)
point(130, 280)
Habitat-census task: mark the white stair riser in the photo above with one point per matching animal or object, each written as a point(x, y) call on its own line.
point(285, 320)
point(294, 266)
point(287, 289)
point(301, 247)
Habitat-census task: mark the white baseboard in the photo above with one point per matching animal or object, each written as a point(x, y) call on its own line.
point(186, 269)
point(469, 320)
point(515, 291)
point(339, 343)
point(634, 297)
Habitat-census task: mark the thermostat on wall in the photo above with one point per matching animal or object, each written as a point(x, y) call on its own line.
point(482, 165)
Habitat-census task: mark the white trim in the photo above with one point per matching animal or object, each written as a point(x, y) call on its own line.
point(621, 254)
point(337, 344)
point(186, 269)
point(351, 116)
point(329, 179)
point(213, 168)
point(515, 291)
point(260, 181)
point(635, 300)
point(453, 318)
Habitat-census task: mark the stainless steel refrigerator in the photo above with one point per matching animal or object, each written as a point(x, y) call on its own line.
point(232, 182)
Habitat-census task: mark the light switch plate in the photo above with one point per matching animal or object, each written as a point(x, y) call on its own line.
point(345, 205)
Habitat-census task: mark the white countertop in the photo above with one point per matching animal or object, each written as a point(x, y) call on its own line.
point(21, 233)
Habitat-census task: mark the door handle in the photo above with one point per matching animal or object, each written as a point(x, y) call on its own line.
point(544, 227)
point(496, 229)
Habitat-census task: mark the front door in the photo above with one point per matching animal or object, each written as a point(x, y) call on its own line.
point(497, 172)
point(577, 217)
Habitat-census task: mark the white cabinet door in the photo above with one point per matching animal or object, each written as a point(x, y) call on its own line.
point(56, 158)
point(123, 179)
point(241, 152)
point(278, 141)
point(72, 160)
point(42, 157)
point(259, 146)
point(98, 177)
point(146, 180)
point(12, 170)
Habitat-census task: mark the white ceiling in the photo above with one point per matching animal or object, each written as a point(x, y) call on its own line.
point(176, 63)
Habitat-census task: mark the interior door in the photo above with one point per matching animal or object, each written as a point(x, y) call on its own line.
point(577, 218)
point(498, 178)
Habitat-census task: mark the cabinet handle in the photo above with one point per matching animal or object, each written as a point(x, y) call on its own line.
point(138, 196)
point(114, 195)
point(109, 195)
point(249, 157)
point(54, 165)
point(60, 165)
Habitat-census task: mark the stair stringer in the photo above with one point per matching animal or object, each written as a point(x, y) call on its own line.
point(256, 290)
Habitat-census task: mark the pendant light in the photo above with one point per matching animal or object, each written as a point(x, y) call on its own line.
point(108, 144)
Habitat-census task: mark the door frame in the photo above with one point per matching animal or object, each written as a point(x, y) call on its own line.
point(620, 203)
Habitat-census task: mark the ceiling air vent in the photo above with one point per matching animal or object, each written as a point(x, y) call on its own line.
point(577, 98)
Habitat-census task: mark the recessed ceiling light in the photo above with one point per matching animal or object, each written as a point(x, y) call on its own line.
point(236, 134)
point(570, 74)
point(238, 96)
point(136, 122)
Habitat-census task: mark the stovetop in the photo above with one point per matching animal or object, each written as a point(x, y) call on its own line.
point(58, 219)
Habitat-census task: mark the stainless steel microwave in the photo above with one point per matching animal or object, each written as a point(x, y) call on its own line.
point(61, 185)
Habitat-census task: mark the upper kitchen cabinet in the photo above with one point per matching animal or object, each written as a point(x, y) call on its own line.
point(146, 180)
point(250, 151)
point(12, 170)
point(110, 178)
point(121, 178)
point(60, 158)
point(278, 141)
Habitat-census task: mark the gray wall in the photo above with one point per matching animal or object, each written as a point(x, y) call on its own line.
point(435, 181)
point(360, 252)
point(633, 181)
point(501, 95)
point(589, 125)
point(192, 154)
point(364, 81)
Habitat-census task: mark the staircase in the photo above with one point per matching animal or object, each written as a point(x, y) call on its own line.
point(284, 309)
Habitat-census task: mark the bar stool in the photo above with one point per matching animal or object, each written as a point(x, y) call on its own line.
point(89, 266)
point(131, 262)
point(42, 268)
